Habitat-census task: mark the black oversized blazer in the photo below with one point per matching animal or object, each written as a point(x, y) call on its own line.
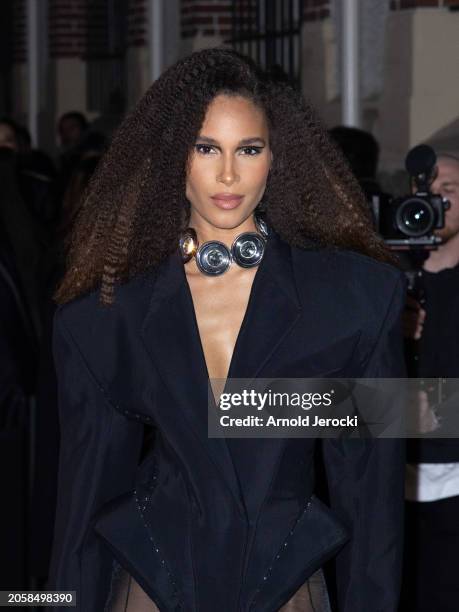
point(199, 528)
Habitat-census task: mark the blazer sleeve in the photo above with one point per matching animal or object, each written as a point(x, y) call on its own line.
point(366, 489)
point(99, 451)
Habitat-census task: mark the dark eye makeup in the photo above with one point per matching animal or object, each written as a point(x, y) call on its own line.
point(205, 149)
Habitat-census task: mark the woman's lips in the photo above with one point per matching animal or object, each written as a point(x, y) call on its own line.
point(227, 202)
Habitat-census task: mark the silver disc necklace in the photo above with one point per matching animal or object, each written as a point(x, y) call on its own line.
point(214, 257)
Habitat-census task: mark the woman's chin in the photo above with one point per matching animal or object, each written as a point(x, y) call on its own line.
point(226, 219)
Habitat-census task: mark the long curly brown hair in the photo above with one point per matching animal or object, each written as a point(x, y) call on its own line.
point(135, 206)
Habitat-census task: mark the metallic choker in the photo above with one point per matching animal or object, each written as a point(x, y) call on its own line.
point(214, 257)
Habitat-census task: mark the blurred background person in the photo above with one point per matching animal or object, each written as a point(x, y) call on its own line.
point(35, 173)
point(27, 238)
point(20, 326)
point(71, 128)
point(47, 421)
point(8, 138)
point(432, 474)
point(35, 223)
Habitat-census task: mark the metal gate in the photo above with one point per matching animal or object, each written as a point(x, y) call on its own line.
point(106, 52)
point(269, 31)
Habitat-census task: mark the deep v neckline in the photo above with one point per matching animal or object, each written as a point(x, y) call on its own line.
point(243, 325)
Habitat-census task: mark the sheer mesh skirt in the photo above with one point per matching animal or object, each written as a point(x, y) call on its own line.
point(128, 596)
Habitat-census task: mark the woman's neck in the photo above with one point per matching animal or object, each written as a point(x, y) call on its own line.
point(205, 231)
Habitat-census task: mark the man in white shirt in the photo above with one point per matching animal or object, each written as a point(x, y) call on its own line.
point(431, 581)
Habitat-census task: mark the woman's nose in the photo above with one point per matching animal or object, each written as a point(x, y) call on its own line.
point(227, 173)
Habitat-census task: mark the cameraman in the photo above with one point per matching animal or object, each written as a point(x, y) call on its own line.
point(432, 474)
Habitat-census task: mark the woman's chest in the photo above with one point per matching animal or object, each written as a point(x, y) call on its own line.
point(220, 308)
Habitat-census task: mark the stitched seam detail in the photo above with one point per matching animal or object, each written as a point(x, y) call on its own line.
point(141, 509)
point(282, 550)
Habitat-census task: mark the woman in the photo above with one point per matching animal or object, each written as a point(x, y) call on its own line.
point(174, 519)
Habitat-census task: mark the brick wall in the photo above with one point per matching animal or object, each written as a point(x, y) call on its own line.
point(137, 23)
point(208, 18)
point(79, 28)
point(68, 28)
point(70, 25)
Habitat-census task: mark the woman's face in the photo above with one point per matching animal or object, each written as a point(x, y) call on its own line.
point(7, 137)
point(231, 157)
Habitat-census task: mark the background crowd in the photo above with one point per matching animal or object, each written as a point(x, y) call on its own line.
point(39, 199)
point(40, 196)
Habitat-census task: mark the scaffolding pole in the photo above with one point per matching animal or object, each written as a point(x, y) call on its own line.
point(350, 65)
point(155, 37)
point(33, 68)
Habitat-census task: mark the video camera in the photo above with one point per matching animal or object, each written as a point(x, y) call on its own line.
point(408, 222)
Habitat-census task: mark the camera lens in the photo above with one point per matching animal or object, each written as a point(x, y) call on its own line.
point(415, 217)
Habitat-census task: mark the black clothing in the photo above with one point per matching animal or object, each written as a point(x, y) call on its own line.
point(438, 353)
point(439, 344)
point(197, 530)
point(432, 544)
point(431, 527)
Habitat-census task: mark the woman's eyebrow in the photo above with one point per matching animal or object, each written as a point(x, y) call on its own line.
point(244, 141)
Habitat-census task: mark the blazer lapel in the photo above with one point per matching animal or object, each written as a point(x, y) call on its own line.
point(272, 312)
point(273, 309)
point(171, 336)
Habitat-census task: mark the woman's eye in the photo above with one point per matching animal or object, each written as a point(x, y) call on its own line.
point(204, 149)
point(251, 150)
